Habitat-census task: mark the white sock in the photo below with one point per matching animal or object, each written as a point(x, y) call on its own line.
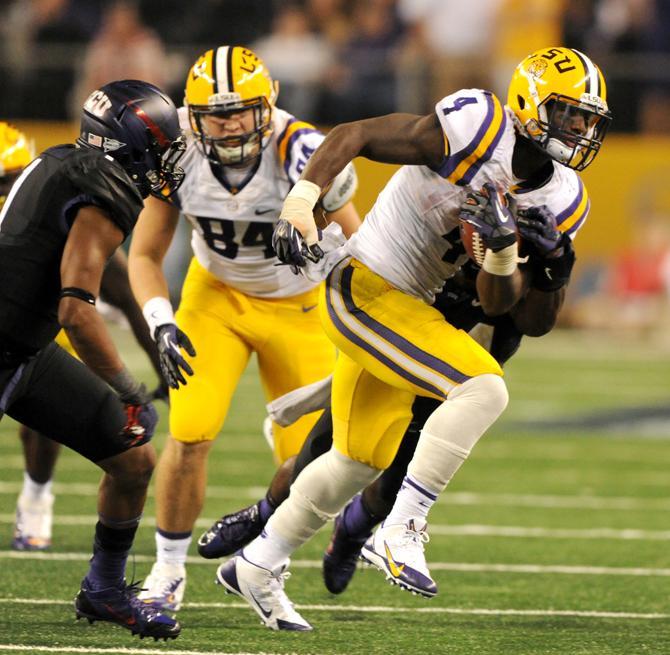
point(35, 490)
point(172, 551)
point(414, 500)
point(269, 550)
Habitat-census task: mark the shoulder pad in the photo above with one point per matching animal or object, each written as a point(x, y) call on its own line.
point(473, 122)
point(107, 185)
point(295, 145)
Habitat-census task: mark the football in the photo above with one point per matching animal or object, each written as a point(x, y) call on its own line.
point(472, 242)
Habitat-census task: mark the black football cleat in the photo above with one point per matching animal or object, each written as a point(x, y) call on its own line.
point(121, 605)
point(231, 532)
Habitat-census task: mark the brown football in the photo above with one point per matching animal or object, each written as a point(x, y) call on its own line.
point(472, 242)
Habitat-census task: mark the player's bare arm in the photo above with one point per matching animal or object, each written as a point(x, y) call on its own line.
point(151, 239)
point(152, 236)
point(347, 218)
point(536, 313)
point(391, 139)
point(91, 242)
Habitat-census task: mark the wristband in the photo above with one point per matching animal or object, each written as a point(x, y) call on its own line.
point(553, 273)
point(157, 311)
point(502, 262)
point(298, 209)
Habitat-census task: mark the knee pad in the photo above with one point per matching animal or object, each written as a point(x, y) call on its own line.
point(454, 428)
point(319, 493)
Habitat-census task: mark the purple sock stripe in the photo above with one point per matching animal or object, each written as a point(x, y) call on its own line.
point(419, 488)
point(173, 535)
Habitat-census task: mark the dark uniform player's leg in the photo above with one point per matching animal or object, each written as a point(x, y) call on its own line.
point(233, 531)
point(61, 398)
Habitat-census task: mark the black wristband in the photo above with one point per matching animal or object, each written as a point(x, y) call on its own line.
point(79, 294)
point(553, 273)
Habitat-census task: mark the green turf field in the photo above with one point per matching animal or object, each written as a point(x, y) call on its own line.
point(548, 541)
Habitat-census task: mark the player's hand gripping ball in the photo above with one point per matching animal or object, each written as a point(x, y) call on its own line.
point(486, 221)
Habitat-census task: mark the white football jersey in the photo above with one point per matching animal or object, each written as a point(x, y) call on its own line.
point(411, 235)
point(233, 225)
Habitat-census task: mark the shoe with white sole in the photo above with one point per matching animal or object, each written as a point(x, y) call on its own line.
point(264, 591)
point(398, 551)
point(164, 587)
point(34, 518)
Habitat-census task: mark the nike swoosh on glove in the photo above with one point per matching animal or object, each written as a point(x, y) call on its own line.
point(170, 340)
point(488, 213)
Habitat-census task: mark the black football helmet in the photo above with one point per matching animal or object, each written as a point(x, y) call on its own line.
point(137, 125)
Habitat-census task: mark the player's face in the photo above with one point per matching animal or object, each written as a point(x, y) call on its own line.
point(229, 124)
point(571, 120)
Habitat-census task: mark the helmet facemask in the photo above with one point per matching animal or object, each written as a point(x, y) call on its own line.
point(234, 149)
point(167, 178)
point(569, 131)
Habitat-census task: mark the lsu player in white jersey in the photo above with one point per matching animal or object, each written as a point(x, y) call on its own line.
point(393, 345)
point(243, 156)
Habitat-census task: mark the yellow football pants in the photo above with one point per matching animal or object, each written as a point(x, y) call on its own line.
point(393, 347)
point(226, 326)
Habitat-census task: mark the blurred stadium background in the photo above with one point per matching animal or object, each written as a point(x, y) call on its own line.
point(554, 537)
point(339, 60)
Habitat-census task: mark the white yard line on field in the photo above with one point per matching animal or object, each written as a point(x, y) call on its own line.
point(25, 648)
point(463, 567)
point(467, 498)
point(435, 529)
point(381, 609)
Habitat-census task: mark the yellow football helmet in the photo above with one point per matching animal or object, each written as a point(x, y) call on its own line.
point(559, 101)
point(16, 152)
point(224, 81)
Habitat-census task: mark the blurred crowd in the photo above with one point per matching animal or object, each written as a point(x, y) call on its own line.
point(336, 60)
point(340, 60)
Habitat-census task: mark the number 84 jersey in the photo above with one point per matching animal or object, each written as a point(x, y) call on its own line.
point(233, 218)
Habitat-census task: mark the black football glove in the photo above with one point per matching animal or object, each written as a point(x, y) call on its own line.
point(291, 248)
point(488, 214)
point(170, 339)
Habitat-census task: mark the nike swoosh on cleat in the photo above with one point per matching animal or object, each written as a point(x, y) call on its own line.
point(128, 620)
point(308, 309)
point(395, 569)
point(267, 614)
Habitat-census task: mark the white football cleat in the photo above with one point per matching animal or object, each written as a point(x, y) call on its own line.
point(164, 587)
point(264, 591)
point(398, 551)
point(34, 518)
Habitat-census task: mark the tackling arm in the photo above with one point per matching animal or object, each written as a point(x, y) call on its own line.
point(391, 139)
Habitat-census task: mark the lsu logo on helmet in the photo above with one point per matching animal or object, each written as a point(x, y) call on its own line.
point(559, 100)
point(230, 80)
point(16, 152)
